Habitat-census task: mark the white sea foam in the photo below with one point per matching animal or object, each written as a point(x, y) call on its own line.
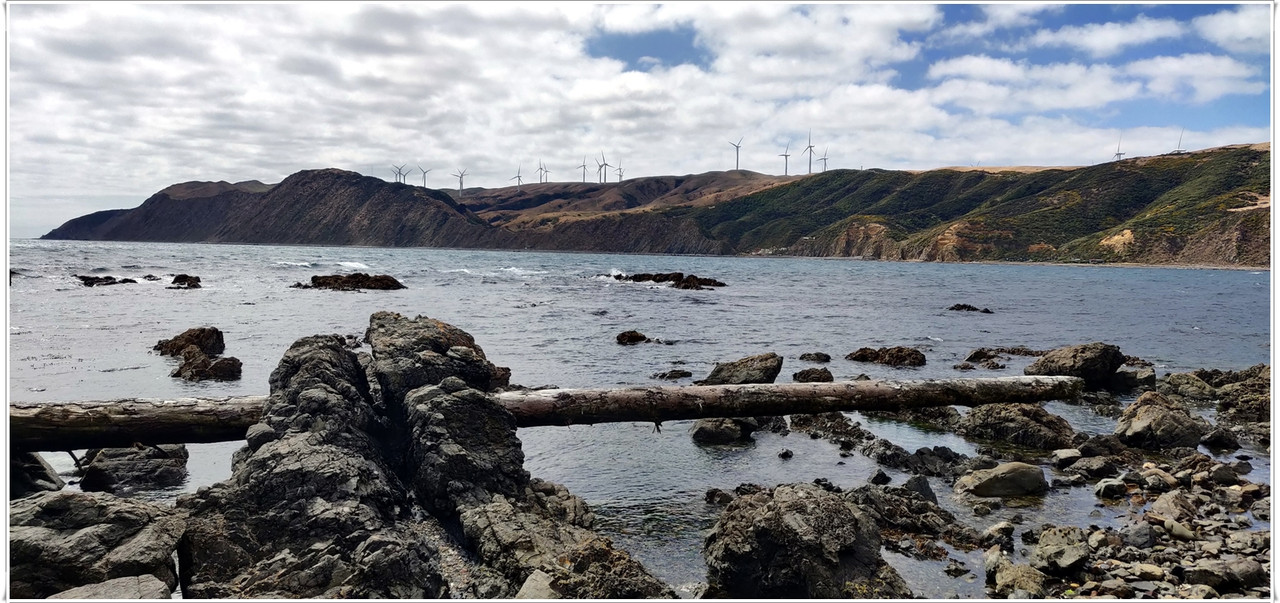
point(356, 265)
point(284, 264)
point(522, 271)
point(457, 270)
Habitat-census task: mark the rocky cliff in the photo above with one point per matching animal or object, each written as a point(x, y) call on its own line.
point(1208, 207)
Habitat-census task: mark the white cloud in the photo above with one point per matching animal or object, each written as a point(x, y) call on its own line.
point(1106, 39)
point(1001, 16)
point(1199, 78)
point(991, 86)
point(1247, 29)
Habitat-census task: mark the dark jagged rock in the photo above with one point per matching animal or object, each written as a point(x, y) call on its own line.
point(813, 375)
point(62, 540)
point(185, 281)
point(423, 351)
point(815, 357)
point(1154, 422)
point(1008, 479)
point(352, 282)
point(119, 589)
point(900, 511)
point(677, 279)
point(968, 308)
point(1219, 378)
point(95, 281)
point(197, 366)
point(762, 368)
point(206, 339)
point(126, 470)
point(30, 473)
point(894, 356)
point(937, 417)
point(722, 430)
point(672, 375)
point(1096, 363)
point(1027, 425)
point(596, 570)
point(631, 338)
point(833, 548)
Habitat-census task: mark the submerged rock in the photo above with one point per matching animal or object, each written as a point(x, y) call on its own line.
point(631, 338)
point(1096, 363)
point(62, 540)
point(815, 357)
point(832, 548)
point(352, 282)
point(197, 366)
point(968, 308)
point(678, 280)
point(94, 281)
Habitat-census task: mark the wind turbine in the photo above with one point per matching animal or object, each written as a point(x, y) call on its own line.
point(1119, 155)
point(519, 180)
point(786, 159)
point(619, 170)
point(584, 169)
point(459, 174)
point(540, 171)
point(737, 148)
point(604, 165)
point(599, 169)
point(823, 159)
point(809, 150)
point(1180, 149)
point(399, 169)
point(424, 176)
point(546, 173)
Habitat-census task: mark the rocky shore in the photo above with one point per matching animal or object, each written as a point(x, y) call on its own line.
point(394, 473)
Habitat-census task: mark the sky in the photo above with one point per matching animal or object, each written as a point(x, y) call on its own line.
point(110, 102)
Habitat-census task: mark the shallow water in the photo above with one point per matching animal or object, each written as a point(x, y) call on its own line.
point(552, 318)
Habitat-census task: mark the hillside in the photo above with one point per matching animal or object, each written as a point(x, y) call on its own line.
point(1209, 207)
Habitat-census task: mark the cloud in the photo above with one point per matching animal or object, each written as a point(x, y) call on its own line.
point(1106, 39)
point(991, 86)
point(1247, 29)
point(1000, 16)
point(1198, 78)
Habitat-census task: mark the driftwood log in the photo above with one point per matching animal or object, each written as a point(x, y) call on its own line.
point(55, 426)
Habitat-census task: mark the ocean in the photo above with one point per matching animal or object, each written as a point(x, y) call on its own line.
point(552, 318)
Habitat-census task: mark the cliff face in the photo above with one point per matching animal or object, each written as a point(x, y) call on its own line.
point(1207, 207)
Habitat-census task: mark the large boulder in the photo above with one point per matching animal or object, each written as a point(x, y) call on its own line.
point(128, 587)
point(813, 375)
point(1060, 551)
point(411, 353)
point(352, 282)
point(762, 368)
point(894, 356)
point(1096, 363)
point(1008, 479)
point(1027, 425)
point(198, 366)
point(1186, 385)
point(715, 431)
point(30, 473)
point(832, 549)
point(126, 470)
point(207, 339)
point(1153, 422)
point(62, 540)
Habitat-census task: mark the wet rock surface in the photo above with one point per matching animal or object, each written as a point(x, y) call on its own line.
point(813, 375)
point(352, 282)
point(129, 587)
point(893, 356)
point(968, 308)
point(185, 281)
point(62, 540)
point(196, 365)
point(678, 280)
point(1027, 425)
point(816, 357)
point(1154, 422)
point(124, 471)
point(95, 281)
point(29, 473)
point(1096, 363)
point(832, 548)
point(206, 339)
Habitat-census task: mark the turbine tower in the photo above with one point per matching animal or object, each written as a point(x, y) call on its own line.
point(737, 148)
point(786, 159)
point(619, 170)
point(599, 168)
point(604, 166)
point(424, 176)
point(823, 158)
point(459, 174)
point(809, 150)
point(519, 180)
point(1180, 150)
point(546, 173)
point(399, 169)
point(1119, 155)
point(584, 169)
point(540, 171)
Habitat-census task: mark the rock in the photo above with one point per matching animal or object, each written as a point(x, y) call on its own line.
point(1064, 457)
point(1261, 509)
point(763, 368)
point(1060, 551)
point(1102, 445)
point(1094, 467)
point(537, 586)
point(672, 375)
point(938, 417)
point(206, 339)
point(411, 353)
point(185, 281)
point(894, 356)
point(716, 496)
point(1220, 439)
point(1027, 425)
point(150, 277)
point(94, 281)
point(968, 308)
point(880, 478)
point(1011, 578)
point(1186, 385)
point(1094, 362)
point(597, 570)
point(992, 560)
point(128, 470)
point(1245, 396)
point(815, 357)
point(128, 587)
point(197, 366)
point(832, 548)
point(678, 280)
point(1127, 381)
point(1154, 423)
point(722, 431)
point(631, 338)
point(813, 375)
point(1139, 535)
point(65, 539)
point(785, 453)
point(1110, 488)
point(30, 473)
point(1147, 571)
point(920, 485)
point(963, 366)
point(1008, 479)
point(352, 282)
point(992, 365)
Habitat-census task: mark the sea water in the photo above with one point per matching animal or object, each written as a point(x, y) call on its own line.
point(553, 317)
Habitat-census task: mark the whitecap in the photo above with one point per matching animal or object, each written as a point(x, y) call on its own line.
point(930, 338)
point(294, 264)
point(522, 271)
point(356, 265)
point(457, 270)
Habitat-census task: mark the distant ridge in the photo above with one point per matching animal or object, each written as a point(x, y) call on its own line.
point(1208, 207)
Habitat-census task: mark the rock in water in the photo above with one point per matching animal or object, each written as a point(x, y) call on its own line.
point(631, 338)
point(1021, 424)
point(763, 368)
point(197, 366)
point(832, 548)
point(1009, 479)
point(895, 356)
point(1154, 422)
point(410, 353)
point(185, 281)
point(816, 357)
point(62, 540)
point(1096, 363)
point(125, 470)
point(206, 339)
point(352, 282)
point(30, 473)
point(813, 375)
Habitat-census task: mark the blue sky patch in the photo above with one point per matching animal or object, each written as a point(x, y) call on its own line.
point(644, 51)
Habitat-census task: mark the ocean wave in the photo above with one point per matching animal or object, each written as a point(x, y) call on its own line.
point(355, 265)
point(283, 264)
point(457, 270)
point(522, 271)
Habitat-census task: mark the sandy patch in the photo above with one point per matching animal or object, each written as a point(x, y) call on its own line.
point(1259, 202)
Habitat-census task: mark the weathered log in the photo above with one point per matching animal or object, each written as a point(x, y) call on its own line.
point(50, 426)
